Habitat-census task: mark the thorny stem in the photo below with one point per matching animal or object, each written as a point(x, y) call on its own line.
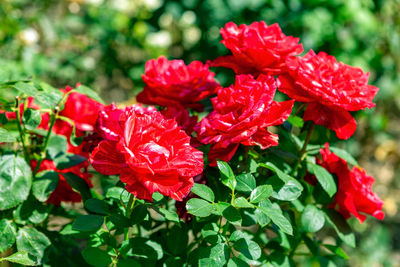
point(47, 138)
point(20, 130)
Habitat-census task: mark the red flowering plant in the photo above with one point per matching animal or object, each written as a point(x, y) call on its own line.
point(208, 175)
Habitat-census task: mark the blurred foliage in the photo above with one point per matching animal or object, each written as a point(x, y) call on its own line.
point(105, 43)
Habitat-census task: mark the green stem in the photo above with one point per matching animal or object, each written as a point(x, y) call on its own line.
point(47, 138)
point(131, 204)
point(129, 209)
point(303, 151)
point(21, 131)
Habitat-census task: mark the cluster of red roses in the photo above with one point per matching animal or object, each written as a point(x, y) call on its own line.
point(242, 112)
point(155, 151)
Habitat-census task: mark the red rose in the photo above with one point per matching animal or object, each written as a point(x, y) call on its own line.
point(149, 152)
point(354, 195)
point(331, 88)
point(82, 110)
point(182, 117)
point(242, 113)
point(171, 83)
point(63, 191)
point(257, 48)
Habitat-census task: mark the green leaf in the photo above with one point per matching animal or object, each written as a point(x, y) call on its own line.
point(199, 207)
point(295, 121)
point(31, 118)
point(277, 258)
point(68, 160)
point(57, 146)
point(97, 206)
point(341, 227)
point(128, 263)
point(210, 233)
point(169, 215)
point(232, 215)
point(289, 191)
point(31, 212)
point(6, 137)
point(26, 88)
point(142, 247)
point(118, 193)
point(218, 254)
point(78, 184)
point(324, 178)
point(117, 221)
point(88, 223)
point(177, 240)
point(283, 176)
point(3, 118)
point(312, 219)
point(236, 262)
point(96, 257)
point(48, 99)
point(33, 242)
point(89, 92)
point(157, 197)
point(338, 251)
point(262, 218)
point(15, 181)
point(140, 212)
point(260, 193)
point(44, 184)
point(21, 257)
point(203, 191)
point(275, 214)
point(8, 231)
point(248, 248)
point(245, 183)
point(241, 202)
point(227, 176)
point(344, 155)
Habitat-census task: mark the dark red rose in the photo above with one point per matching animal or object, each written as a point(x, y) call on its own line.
point(149, 152)
point(354, 195)
point(63, 191)
point(331, 88)
point(257, 48)
point(171, 83)
point(241, 115)
point(182, 117)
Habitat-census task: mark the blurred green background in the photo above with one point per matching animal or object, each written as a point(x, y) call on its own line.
point(105, 44)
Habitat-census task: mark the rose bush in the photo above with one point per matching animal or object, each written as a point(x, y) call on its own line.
point(212, 175)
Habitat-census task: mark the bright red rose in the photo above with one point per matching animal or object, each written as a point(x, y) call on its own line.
point(149, 152)
point(257, 48)
point(354, 195)
point(182, 117)
point(242, 113)
point(63, 192)
point(108, 125)
point(171, 83)
point(331, 88)
point(82, 110)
